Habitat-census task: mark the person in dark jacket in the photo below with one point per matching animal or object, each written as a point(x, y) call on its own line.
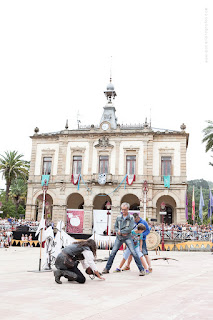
point(67, 261)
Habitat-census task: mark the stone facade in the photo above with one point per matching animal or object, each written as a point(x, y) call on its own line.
point(116, 142)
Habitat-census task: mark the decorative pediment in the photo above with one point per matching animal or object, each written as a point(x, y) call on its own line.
point(104, 143)
point(78, 149)
point(132, 149)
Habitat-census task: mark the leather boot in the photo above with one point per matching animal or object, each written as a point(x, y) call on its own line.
point(71, 276)
point(58, 274)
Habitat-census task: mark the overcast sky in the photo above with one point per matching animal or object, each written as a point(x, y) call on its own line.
point(55, 60)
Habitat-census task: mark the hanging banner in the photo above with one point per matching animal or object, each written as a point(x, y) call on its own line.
point(130, 178)
point(166, 181)
point(100, 221)
point(75, 220)
point(75, 178)
point(45, 179)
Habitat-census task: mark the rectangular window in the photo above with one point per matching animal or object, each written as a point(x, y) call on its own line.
point(103, 164)
point(166, 165)
point(47, 163)
point(130, 164)
point(77, 164)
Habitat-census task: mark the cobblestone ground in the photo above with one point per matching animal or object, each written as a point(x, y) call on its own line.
point(180, 289)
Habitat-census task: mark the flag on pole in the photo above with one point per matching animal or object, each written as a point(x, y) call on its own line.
point(41, 226)
point(186, 207)
point(45, 179)
point(210, 205)
point(201, 205)
point(193, 204)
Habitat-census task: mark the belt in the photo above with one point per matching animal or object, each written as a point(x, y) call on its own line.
point(123, 234)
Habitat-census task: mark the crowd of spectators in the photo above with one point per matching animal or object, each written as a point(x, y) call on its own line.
point(182, 227)
point(5, 233)
point(8, 225)
point(13, 223)
point(184, 231)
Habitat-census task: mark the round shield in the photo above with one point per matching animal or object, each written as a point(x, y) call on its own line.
point(153, 240)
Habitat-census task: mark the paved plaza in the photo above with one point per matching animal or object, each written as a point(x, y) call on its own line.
point(180, 289)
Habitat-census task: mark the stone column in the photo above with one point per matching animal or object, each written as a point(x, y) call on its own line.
point(141, 210)
point(149, 212)
point(88, 217)
point(183, 158)
point(181, 218)
point(39, 213)
point(176, 213)
point(149, 146)
point(145, 158)
point(117, 155)
point(90, 158)
point(59, 213)
point(33, 159)
point(30, 212)
point(62, 159)
point(115, 212)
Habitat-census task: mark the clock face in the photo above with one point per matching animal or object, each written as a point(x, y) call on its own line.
point(105, 126)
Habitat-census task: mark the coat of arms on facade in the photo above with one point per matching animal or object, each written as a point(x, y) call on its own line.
point(102, 178)
point(103, 143)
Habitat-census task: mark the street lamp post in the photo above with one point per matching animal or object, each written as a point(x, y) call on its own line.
point(145, 190)
point(45, 187)
point(163, 213)
point(108, 206)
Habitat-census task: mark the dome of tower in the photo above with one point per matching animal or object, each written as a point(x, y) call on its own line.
point(110, 87)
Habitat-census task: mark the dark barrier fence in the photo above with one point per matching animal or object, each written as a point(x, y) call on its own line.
point(17, 235)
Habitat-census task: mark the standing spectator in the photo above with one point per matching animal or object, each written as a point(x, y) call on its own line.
point(22, 239)
point(26, 240)
point(30, 239)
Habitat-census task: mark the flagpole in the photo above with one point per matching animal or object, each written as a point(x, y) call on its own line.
point(42, 218)
point(210, 198)
point(193, 207)
point(39, 268)
point(108, 206)
point(202, 204)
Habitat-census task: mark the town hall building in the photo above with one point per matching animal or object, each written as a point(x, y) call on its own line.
point(98, 167)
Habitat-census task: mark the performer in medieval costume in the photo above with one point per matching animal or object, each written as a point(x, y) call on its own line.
point(67, 261)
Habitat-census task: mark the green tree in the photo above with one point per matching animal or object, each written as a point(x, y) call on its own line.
point(208, 137)
point(13, 166)
point(8, 208)
point(19, 192)
point(21, 210)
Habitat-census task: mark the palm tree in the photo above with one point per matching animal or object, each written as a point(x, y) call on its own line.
point(12, 167)
point(18, 191)
point(208, 137)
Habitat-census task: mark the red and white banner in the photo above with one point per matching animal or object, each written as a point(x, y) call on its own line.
point(130, 178)
point(75, 178)
point(75, 220)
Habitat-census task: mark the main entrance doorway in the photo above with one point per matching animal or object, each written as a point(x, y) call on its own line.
point(168, 216)
point(170, 206)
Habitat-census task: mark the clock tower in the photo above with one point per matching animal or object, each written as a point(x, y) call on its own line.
point(108, 119)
